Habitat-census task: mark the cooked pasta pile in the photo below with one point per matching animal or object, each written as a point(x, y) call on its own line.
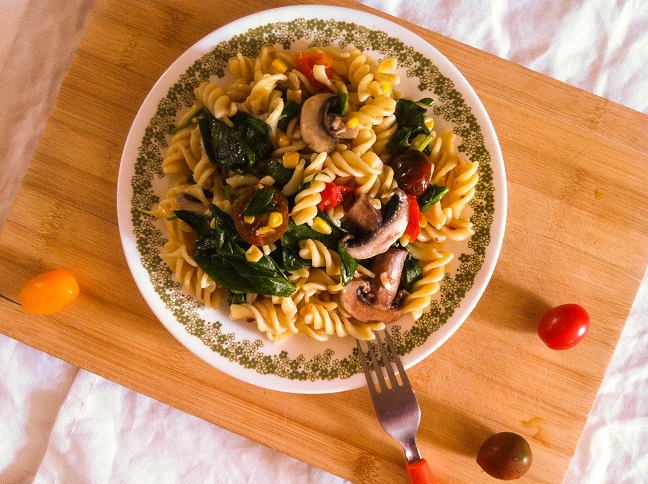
point(264, 87)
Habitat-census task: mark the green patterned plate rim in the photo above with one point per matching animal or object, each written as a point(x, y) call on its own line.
point(303, 365)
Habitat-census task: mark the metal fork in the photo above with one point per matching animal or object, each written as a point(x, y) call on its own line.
point(395, 403)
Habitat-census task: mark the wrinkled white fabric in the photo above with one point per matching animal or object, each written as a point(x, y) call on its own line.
point(62, 424)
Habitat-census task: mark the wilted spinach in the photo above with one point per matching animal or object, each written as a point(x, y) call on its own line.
point(239, 148)
point(410, 118)
point(220, 252)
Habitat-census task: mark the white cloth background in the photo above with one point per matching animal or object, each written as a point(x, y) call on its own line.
point(62, 424)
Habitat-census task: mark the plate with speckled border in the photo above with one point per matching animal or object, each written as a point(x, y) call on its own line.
point(301, 364)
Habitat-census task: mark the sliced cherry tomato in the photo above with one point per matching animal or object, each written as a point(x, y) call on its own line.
point(412, 171)
point(505, 456)
point(307, 60)
point(49, 292)
point(333, 195)
point(415, 218)
point(563, 327)
point(257, 229)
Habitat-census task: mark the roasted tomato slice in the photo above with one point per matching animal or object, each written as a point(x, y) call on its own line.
point(306, 60)
point(260, 214)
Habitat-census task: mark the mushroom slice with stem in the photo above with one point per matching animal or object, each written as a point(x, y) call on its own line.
point(379, 298)
point(320, 129)
point(394, 223)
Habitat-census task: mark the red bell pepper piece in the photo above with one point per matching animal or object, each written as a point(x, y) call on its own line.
point(415, 218)
point(333, 195)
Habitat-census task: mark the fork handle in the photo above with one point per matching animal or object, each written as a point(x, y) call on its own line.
point(419, 472)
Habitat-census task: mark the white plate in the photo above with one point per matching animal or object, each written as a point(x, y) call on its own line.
point(303, 365)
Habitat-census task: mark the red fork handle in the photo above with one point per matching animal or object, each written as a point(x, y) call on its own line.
point(419, 473)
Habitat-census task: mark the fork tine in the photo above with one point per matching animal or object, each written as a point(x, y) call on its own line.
point(376, 364)
point(386, 359)
point(366, 369)
point(397, 360)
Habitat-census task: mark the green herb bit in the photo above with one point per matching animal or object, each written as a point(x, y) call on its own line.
point(349, 265)
point(237, 298)
point(426, 141)
point(188, 122)
point(412, 272)
point(432, 195)
point(344, 102)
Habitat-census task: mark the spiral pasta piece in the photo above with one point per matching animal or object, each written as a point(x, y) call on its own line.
point(215, 99)
point(421, 296)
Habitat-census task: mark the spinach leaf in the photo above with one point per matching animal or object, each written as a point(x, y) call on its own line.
point(349, 265)
point(276, 170)
point(220, 252)
point(432, 195)
point(239, 148)
point(305, 232)
point(287, 256)
point(290, 110)
point(410, 118)
point(412, 272)
point(260, 202)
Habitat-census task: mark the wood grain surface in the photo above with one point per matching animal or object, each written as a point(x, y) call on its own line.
point(576, 232)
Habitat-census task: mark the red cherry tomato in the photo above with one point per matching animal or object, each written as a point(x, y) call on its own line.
point(563, 327)
point(307, 60)
point(49, 292)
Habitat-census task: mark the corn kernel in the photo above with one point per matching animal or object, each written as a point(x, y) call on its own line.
point(280, 66)
point(294, 95)
point(429, 122)
point(282, 139)
point(249, 220)
point(275, 219)
point(320, 226)
point(253, 254)
point(212, 224)
point(291, 160)
point(385, 86)
point(353, 123)
point(266, 230)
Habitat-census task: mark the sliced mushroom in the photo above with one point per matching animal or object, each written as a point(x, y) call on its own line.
point(379, 298)
point(361, 218)
point(321, 129)
point(393, 226)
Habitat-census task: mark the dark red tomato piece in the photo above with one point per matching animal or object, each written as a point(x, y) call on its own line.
point(415, 218)
point(333, 195)
point(261, 228)
point(307, 60)
point(412, 171)
point(505, 456)
point(563, 327)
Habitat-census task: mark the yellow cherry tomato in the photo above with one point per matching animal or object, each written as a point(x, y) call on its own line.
point(49, 292)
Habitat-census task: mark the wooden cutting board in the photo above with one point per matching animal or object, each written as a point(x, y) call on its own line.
point(576, 232)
